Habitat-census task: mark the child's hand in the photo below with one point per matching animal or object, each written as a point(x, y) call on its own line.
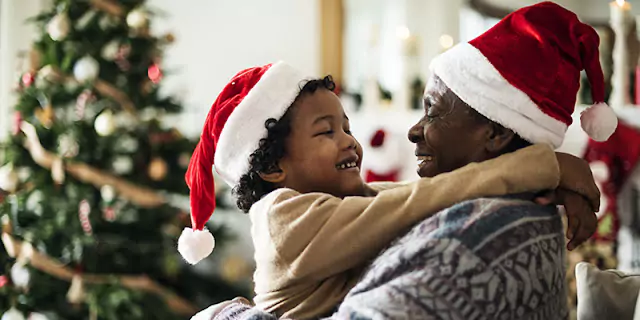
point(581, 218)
point(576, 176)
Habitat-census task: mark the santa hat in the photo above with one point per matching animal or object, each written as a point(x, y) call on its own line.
point(613, 162)
point(232, 132)
point(524, 73)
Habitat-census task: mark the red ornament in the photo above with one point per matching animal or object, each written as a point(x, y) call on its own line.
point(27, 79)
point(154, 72)
point(3, 281)
point(17, 122)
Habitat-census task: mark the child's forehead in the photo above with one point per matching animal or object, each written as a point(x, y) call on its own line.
point(320, 104)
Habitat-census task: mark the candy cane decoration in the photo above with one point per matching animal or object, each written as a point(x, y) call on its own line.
point(83, 213)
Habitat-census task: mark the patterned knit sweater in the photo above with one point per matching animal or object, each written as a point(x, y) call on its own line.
point(481, 259)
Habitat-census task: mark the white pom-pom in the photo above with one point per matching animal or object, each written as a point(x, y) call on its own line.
point(599, 121)
point(195, 245)
point(13, 314)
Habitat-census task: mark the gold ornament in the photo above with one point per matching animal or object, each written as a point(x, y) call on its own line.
point(45, 115)
point(158, 169)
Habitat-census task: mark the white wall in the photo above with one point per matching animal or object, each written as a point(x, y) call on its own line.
point(216, 39)
point(15, 37)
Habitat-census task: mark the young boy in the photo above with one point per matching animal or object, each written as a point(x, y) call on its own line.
point(284, 142)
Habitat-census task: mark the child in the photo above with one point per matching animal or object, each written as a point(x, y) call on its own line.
point(284, 143)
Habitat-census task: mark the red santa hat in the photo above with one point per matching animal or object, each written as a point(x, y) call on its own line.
point(618, 157)
point(524, 73)
point(232, 132)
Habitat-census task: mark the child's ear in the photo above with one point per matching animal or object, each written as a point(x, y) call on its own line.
point(275, 177)
point(499, 138)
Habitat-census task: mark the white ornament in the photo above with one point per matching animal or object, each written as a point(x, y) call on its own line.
point(37, 316)
point(34, 202)
point(127, 144)
point(108, 193)
point(137, 19)
point(110, 50)
point(24, 174)
point(8, 178)
point(12, 314)
point(105, 123)
point(86, 69)
point(57, 171)
point(67, 146)
point(20, 276)
point(59, 26)
point(123, 165)
point(45, 75)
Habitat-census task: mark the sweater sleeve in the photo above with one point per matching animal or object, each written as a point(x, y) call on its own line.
point(318, 235)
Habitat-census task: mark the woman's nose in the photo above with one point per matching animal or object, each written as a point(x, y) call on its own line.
point(416, 133)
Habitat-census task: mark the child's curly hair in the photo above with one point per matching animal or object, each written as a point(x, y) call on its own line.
point(271, 149)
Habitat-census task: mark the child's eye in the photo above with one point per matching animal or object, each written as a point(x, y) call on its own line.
point(328, 132)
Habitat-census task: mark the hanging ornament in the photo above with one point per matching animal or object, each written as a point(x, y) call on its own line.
point(86, 69)
point(158, 169)
point(24, 174)
point(107, 22)
point(12, 314)
point(127, 144)
point(84, 209)
point(45, 76)
point(20, 276)
point(148, 114)
point(85, 19)
point(3, 281)
point(8, 178)
point(59, 26)
point(34, 202)
point(85, 98)
point(183, 160)
point(108, 193)
point(137, 19)
point(45, 115)
point(105, 124)
point(37, 316)
point(122, 165)
point(154, 73)
point(109, 214)
point(27, 79)
point(57, 171)
point(169, 38)
point(110, 50)
point(76, 292)
point(68, 146)
point(17, 122)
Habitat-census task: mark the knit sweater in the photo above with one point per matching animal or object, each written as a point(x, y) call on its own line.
point(481, 259)
point(310, 249)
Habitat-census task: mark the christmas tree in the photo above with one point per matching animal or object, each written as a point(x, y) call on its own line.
point(92, 177)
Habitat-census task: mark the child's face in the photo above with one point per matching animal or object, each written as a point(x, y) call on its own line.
point(321, 154)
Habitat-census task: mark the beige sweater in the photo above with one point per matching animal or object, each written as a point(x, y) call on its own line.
point(310, 249)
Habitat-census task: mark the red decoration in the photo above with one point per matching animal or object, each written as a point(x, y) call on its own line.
point(371, 176)
point(3, 281)
point(154, 73)
point(27, 79)
point(83, 214)
point(378, 138)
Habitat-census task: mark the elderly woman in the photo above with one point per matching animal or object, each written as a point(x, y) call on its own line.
point(499, 258)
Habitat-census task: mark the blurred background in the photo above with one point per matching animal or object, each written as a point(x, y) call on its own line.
point(112, 96)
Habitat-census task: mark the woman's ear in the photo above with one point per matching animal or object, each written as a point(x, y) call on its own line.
point(499, 138)
point(275, 177)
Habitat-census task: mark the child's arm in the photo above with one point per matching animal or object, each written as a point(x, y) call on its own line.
point(318, 235)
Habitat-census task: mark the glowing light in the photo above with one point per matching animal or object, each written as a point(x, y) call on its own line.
point(446, 41)
point(403, 32)
point(620, 2)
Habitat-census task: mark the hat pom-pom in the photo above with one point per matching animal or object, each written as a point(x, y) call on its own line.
point(195, 245)
point(599, 121)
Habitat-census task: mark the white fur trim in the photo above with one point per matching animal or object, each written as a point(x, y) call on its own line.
point(269, 98)
point(476, 81)
point(599, 121)
point(195, 245)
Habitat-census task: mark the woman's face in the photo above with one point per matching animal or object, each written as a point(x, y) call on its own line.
point(448, 136)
